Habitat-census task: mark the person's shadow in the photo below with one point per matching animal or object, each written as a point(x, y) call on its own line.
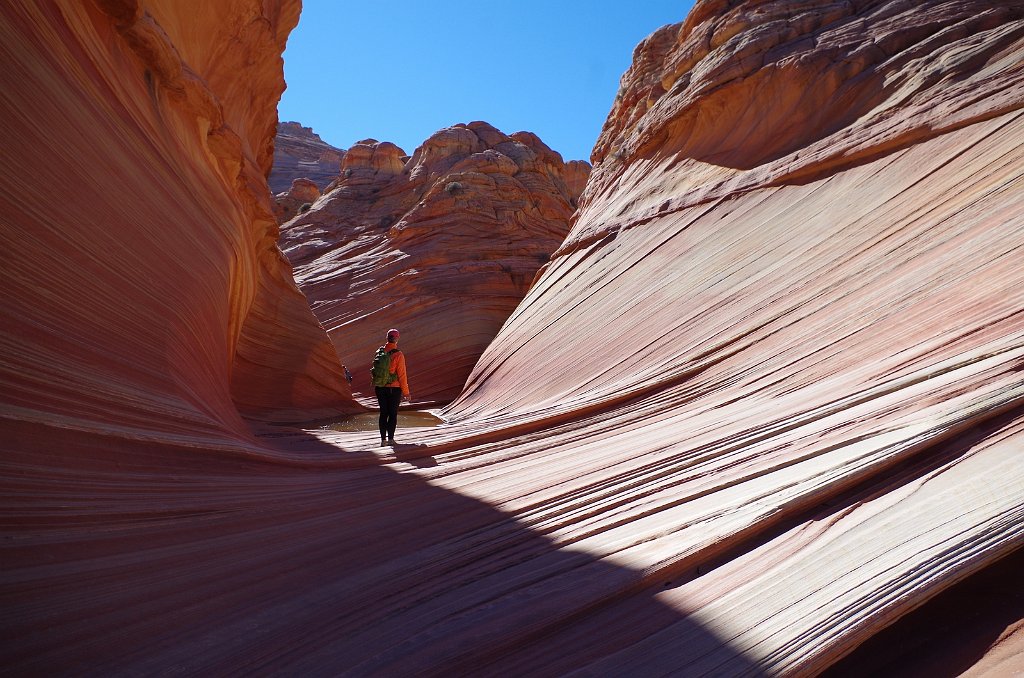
point(414, 453)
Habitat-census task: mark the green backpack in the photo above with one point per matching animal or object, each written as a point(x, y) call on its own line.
point(380, 373)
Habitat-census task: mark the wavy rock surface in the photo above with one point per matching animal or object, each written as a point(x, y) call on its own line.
point(300, 153)
point(797, 254)
point(151, 297)
point(797, 409)
point(442, 244)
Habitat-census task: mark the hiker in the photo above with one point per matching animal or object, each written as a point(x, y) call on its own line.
point(391, 385)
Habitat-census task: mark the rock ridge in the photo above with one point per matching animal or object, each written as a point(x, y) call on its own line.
point(682, 96)
point(241, 342)
point(793, 251)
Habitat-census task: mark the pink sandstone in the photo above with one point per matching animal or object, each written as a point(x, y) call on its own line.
point(794, 276)
point(797, 254)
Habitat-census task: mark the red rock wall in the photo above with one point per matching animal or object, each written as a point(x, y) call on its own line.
point(442, 245)
point(146, 294)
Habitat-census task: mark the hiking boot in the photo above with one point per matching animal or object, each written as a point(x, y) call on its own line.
point(383, 442)
point(391, 441)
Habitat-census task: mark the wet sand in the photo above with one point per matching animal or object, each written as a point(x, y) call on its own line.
point(367, 421)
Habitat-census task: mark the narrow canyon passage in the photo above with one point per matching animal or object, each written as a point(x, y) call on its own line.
point(764, 400)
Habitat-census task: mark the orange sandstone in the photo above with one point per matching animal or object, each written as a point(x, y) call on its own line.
point(151, 296)
point(297, 199)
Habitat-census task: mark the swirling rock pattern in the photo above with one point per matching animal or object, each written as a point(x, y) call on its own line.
point(442, 244)
point(151, 296)
point(792, 280)
point(796, 404)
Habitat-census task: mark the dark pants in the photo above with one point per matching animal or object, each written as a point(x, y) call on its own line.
point(388, 398)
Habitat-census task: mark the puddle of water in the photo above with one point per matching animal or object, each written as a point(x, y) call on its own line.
point(367, 421)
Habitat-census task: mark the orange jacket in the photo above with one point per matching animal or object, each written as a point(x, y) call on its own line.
point(398, 367)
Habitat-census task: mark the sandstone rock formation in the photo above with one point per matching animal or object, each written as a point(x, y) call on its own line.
point(442, 244)
point(576, 174)
point(300, 153)
point(798, 254)
point(297, 199)
point(797, 398)
point(148, 295)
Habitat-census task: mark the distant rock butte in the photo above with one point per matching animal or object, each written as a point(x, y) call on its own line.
point(765, 399)
point(442, 244)
point(300, 153)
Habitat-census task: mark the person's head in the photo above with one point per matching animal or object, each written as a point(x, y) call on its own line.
point(393, 336)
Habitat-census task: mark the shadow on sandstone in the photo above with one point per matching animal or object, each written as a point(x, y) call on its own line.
point(147, 558)
point(950, 633)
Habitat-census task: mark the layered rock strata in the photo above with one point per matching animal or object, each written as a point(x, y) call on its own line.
point(796, 406)
point(442, 244)
point(150, 298)
point(797, 253)
point(300, 153)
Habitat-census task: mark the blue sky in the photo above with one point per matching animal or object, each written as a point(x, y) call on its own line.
point(398, 71)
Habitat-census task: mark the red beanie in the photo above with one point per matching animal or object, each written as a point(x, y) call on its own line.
point(392, 335)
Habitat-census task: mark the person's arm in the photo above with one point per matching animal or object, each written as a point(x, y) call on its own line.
point(403, 378)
